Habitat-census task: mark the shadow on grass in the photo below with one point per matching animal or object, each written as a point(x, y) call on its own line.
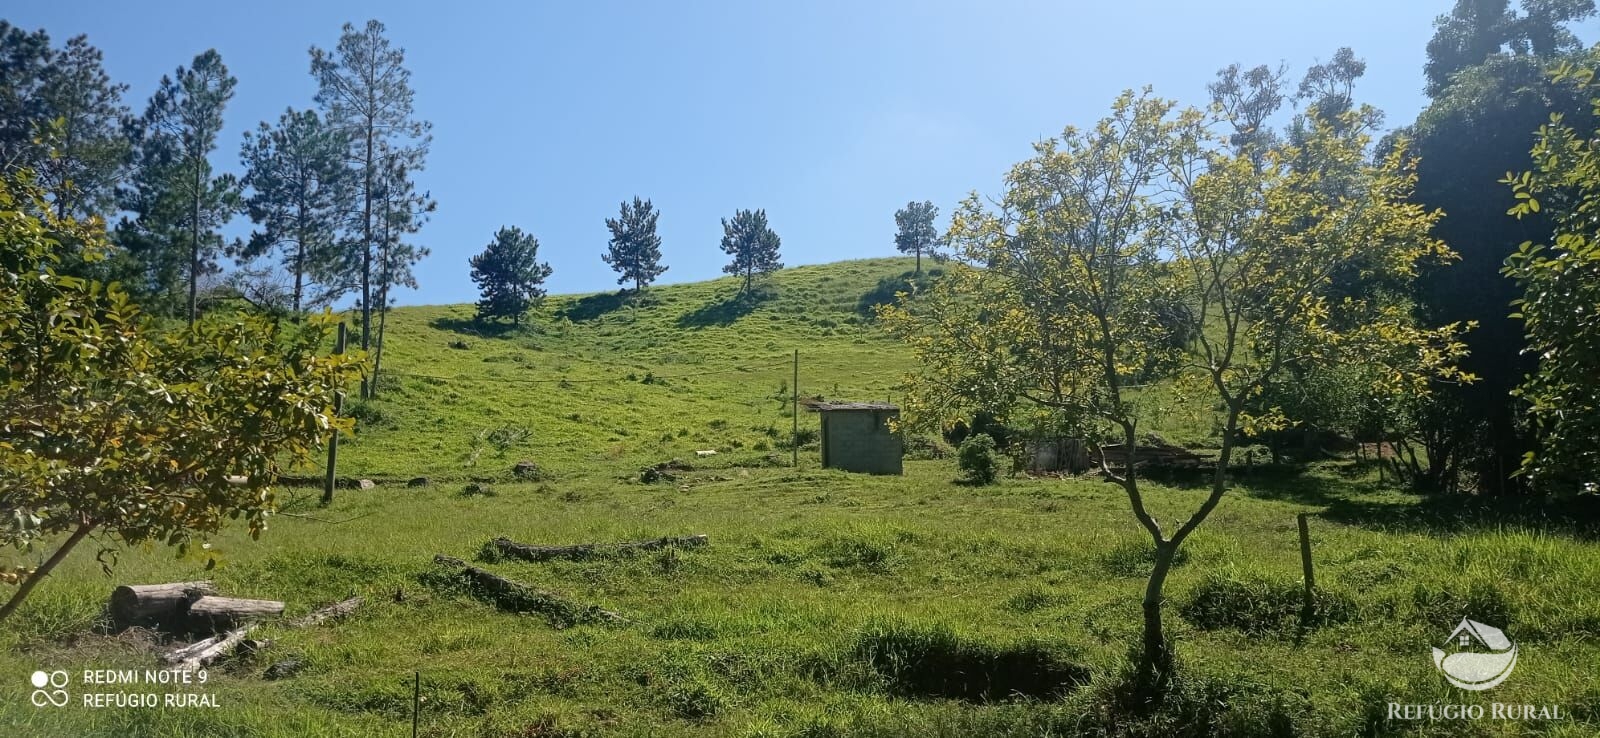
point(1578, 517)
point(884, 294)
point(725, 311)
point(1368, 504)
point(473, 327)
point(599, 305)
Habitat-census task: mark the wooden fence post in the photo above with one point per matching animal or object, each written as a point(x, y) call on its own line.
point(1305, 566)
point(333, 441)
point(794, 412)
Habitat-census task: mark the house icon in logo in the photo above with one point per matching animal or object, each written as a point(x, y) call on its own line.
point(1480, 658)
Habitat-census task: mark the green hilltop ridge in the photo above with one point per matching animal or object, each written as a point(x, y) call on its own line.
point(593, 381)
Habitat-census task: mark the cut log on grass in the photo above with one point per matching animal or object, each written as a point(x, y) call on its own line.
point(506, 548)
point(155, 604)
point(513, 596)
point(217, 614)
point(206, 651)
point(331, 612)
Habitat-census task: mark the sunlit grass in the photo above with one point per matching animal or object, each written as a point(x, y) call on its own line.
point(816, 583)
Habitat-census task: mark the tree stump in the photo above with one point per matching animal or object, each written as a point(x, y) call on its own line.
point(155, 604)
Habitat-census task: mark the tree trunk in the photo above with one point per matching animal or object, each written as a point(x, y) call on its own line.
point(919, 261)
point(385, 276)
point(215, 614)
point(44, 570)
point(194, 247)
point(377, 358)
point(300, 263)
point(194, 263)
point(366, 253)
point(155, 604)
point(1155, 658)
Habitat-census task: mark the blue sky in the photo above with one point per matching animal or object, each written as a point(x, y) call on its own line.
point(830, 115)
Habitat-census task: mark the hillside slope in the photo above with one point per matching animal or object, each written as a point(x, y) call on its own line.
point(824, 603)
point(591, 380)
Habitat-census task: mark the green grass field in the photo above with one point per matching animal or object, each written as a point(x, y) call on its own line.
point(827, 604)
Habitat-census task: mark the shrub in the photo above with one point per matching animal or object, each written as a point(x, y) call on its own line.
point(368, 415)
point(856, 550)
point(917, 660)
point(805, 437)
point(696, 700)
point(506, 437)
point(1256, 604)
point(1196, 704)
point(1032, 599)
point(1484, 601)
point(924, 448)
point(979, 462)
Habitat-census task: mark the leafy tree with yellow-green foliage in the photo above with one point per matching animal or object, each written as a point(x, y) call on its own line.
point(1063, 300)
point(111, 428)
point(1560, 302)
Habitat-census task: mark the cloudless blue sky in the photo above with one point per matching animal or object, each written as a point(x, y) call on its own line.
point(830, 115)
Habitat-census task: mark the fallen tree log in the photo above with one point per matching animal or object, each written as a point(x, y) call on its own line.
point(206, 651)
point(503, 547)
point(155, 604)
point(513, 596)
point(216, 614)
point(331, 612)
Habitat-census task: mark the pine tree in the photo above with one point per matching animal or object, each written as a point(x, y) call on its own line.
point(635, 249)
point(295, 172)
point(509, 275)
point(178, 205)
point(403, 211)
point(61, 117)
point(915, 233)
point(87, 148)
point(24, 60)
point(365, 91)
point(753, 246)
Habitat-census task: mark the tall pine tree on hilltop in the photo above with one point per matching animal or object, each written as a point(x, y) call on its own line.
point(753, 246)
point(635, 249)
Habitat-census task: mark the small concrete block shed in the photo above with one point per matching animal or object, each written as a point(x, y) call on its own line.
point(856, 437)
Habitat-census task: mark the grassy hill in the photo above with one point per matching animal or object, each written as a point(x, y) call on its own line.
point(596, 382)
point(826, 604)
